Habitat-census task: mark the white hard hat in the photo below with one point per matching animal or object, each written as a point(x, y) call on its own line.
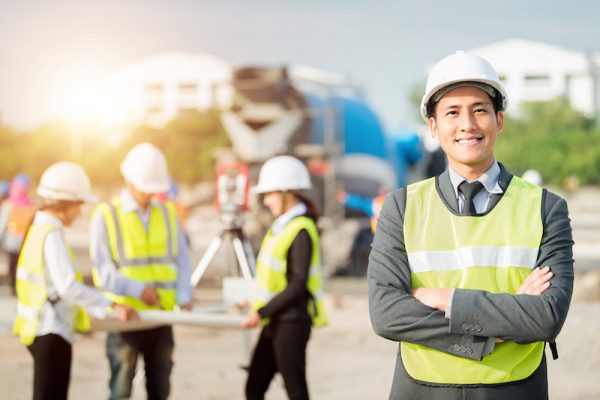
point(462, 69)
point(531, 175)
point(282, 173)
point(145, 167)
point(65, 181)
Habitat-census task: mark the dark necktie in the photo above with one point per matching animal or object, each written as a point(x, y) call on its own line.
point(469, 190)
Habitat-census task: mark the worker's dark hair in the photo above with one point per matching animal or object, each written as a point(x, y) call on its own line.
point(311, 210)
point(496, 103)
point(59, 205)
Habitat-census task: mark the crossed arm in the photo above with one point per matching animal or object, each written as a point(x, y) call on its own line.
point(536, 313)
point(535, 284)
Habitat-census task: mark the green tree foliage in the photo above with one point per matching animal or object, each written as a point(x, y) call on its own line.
point(554, 139)
point(188, 143)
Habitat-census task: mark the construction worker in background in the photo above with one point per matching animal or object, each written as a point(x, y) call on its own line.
point(4, 190)
point(470, 271)
point(50, 288)
point(531, 175)
point(369, 205)
point(140, 258)
point(16, 215)
point(288, 275)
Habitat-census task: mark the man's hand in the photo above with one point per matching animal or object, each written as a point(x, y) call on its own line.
point(242, 305)
point(125, 313)
point(150, 296)
point(252, 320)
point(536, 282)
point(433, 297)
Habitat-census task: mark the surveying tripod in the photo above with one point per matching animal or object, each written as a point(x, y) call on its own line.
point(241, 246)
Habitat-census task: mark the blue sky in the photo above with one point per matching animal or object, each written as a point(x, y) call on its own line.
point(382, 45)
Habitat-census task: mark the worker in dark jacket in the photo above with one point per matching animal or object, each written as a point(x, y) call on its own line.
point(471, 271)
point(289, 297)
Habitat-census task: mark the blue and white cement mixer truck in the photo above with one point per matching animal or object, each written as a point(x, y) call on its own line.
point(321, 119)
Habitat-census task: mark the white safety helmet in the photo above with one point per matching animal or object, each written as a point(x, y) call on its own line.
point(462, 69)
point(65, 181)
point(145, 167)
point(531, 175)
point(282, 173)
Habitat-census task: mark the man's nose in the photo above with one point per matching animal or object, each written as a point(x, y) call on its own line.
point(467, 121)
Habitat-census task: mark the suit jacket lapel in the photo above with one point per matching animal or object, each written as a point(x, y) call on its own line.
point(446, 190)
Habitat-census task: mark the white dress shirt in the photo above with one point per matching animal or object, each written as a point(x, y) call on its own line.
point(59, 318)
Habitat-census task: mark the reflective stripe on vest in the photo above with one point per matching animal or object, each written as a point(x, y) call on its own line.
point(32, 289)
point(493, 252)
point(147, 256)
point(271, 267)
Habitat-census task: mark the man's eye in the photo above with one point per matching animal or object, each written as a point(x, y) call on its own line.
point(452, 113)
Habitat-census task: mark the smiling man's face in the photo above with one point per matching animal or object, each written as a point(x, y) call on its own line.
point(466, 125)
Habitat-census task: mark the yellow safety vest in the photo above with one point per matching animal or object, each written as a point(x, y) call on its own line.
point(147, 256)
point(271, 267)
point(32, 288)
point(493, 252)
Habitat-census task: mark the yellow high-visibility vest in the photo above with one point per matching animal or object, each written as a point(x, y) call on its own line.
point(494, 252)
point(147, 256)
point(32, 288)
point(271, 267)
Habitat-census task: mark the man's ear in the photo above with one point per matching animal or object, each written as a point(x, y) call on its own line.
point(433, 127)
point(500, 120)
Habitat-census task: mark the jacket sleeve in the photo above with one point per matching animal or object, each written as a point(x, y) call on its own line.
point(395, 313)
point(526, 318)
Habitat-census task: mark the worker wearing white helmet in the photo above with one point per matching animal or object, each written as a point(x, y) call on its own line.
point(288, 275)
point(471, 271)
point(51, 294)
point(141, 258)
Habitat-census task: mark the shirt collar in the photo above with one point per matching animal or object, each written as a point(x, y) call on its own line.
point(281, 221)
point(128, 202)
point(44, 217)
point(489, 179)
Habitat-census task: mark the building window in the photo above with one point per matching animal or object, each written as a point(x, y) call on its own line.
point(186, 110)
point(153, 89)
point(188, 88)
point(153, 111)
point(537, 80)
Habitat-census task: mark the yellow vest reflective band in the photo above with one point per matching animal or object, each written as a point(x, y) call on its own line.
point(271, 267)
point(32, 289)
point(493, 252)
point(147, 256)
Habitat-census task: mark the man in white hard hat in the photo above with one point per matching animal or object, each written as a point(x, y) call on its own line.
point(141, 258)
point(471, 271)
point(53, 302)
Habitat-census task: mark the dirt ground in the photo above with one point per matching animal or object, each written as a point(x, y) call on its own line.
point(346, 360)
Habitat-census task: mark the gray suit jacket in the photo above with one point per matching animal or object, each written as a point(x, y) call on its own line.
point(397, 315)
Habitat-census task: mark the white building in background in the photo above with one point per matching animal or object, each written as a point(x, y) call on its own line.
point(157, 89)
point(534, 71)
